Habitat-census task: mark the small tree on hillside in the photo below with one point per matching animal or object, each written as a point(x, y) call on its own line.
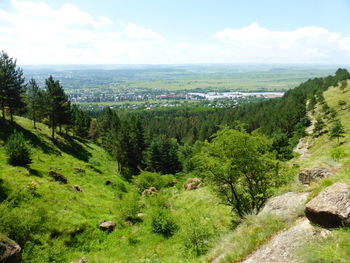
point(17, 150)
point(337, 130)
point(240, 168)
point(343, 85)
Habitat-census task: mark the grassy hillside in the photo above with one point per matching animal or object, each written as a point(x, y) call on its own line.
point(54, 223)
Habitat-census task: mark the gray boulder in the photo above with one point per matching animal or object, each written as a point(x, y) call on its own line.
point(309, 175)
point(107, 226)
point(286, 205)
point(82, 260)
point(10, 251)
point(331, 207)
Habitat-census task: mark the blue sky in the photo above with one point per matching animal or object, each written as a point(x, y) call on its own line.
point(155, 31)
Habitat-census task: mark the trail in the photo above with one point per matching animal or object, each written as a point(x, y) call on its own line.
point(304, 143)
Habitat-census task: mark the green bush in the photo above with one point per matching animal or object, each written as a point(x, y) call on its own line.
point(148, 179)
point(197, 234)
point(17, 150)
point(21, 224)
point(337, 153)
point(130, 206)
point(163, 223)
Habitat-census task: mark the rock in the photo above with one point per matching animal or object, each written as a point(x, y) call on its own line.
point(309, 175)
point(58, 177)
point(283, 246)
point(79, 170)
point(10, 251)
point(107, 226)
point(77, 188)
point(331, 207)
point(82, 260)
point(150, 191)
point(193, 183)
point(285, 205)
point(141, 215)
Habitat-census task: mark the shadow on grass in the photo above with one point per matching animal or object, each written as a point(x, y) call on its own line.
point(71, 147)
point(7, 129)
point(3, 191)
point(34, 172)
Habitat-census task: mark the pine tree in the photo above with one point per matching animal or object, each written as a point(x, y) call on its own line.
point(57, 104)
point(337, 130)
point(35, 101)
point(11, 85)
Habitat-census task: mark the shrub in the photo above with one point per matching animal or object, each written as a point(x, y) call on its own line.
point(337, 153)
point(130, 206)
point(17, 150)
point(148, 179)
point(163, 223)
point(197, 233)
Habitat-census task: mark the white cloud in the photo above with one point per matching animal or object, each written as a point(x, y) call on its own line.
point(36, 33)
point(304, 44)
point(135, 32)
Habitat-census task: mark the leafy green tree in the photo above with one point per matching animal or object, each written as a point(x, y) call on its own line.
point(337, 130)
point(241, 169)
point(35, 101)
point(12, 85)
point(57, 104)
point(17, 150)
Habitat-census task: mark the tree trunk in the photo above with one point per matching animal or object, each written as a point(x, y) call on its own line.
point(3, 111)
point(52, 127)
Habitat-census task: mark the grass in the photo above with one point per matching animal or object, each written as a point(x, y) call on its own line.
point(54, 223)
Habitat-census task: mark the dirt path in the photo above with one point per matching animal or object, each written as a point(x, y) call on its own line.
point(304, 143)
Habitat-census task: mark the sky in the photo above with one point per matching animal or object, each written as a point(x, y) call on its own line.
point(175, 31)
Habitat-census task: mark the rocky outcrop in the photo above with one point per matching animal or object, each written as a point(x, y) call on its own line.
point(81, 260)
point(285, 205)
point(58, 177)
point(193, 183)
point(281, 248)
point(331, 207)
point(77, 188)
point(108, 226)
point(10, 251)
point(150, 191)
point(309, 175)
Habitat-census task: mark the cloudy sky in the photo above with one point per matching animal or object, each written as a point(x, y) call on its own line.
point(175, 31)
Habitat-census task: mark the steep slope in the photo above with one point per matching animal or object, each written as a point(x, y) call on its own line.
point(57, 222)
point(300, 241)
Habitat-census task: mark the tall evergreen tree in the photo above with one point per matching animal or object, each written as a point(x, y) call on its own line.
point(11, 85)
point(58, 106)
point(35, 101)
